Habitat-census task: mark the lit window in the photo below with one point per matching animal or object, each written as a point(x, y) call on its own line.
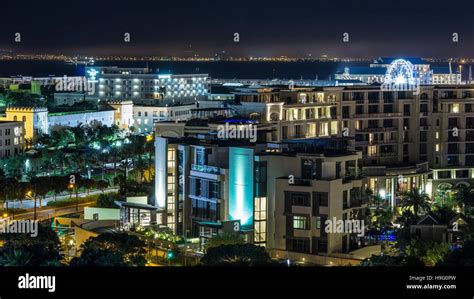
point(372, 150)
point(437, 147)
point(334, 128)
point(300, 222)
point(318, 222)
point(324, 129)
point(455, 108)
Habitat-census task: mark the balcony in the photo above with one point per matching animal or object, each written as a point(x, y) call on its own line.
point(206, 169)
point(380, 115)
point(356, 202)
point(377, 129)
point(301, 182)
point(348, 179)
point(381, 155)
point(454, 138)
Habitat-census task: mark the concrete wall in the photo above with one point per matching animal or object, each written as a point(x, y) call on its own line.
point(104, 213)
point(74, 119)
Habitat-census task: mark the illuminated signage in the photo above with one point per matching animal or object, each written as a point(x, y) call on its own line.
point(241, 179)
point(92, 74)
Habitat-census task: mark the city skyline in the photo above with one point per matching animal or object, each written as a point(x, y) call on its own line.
point(329, 143)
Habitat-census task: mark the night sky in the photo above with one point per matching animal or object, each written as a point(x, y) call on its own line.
point(266, 28)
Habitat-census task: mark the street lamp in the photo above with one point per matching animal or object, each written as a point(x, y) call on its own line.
point(74, 187)
point(29, 195)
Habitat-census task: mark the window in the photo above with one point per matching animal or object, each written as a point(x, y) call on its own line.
point(388, 123)
point(299, 245)
point(322, 245)
point(388, 108)
point(318, 222)
point(424, 108)
point(423, 136)
point(372, 150)
point(373, 109)
point(454, 108)
point(300, 222)
point(300, 199)
point(260, 220)
point(406, 109)
point(346, 112)
point(322, 198)
point(373, 123)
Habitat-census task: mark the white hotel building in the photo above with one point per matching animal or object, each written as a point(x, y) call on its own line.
point(142, 86)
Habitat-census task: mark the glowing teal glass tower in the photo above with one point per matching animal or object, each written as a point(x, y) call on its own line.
point(241, 179)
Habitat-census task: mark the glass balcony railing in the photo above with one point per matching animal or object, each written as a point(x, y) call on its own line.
point(206, 169)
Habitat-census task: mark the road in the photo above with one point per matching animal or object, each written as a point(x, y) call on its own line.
point(29, 203)
point(47, 213)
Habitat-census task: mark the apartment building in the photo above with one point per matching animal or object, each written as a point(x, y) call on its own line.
point(407, 139)
point(315, 183)
point(35, 120)
point(145, 116)
point(12, 138)
point(278, 195)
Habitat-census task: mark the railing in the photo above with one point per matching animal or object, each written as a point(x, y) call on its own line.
point(380, 115)
point(377, 129)
point(301, 182)
point(206, 169)
point(348, 179)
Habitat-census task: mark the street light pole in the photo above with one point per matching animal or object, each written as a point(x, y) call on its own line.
point(35, 201)
point(77, 200)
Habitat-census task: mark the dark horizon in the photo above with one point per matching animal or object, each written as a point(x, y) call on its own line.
point(268, 28)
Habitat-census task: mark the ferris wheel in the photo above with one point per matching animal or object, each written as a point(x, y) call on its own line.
point(400, 71)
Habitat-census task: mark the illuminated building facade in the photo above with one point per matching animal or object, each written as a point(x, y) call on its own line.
point(202, 185)
point(142, 86)
point(123, 115)
point(241, 189)
point(309, 183)
point(104, 117)
point(279, 194)
point(12, 141)
point(422, 70)
point(35, 120)
point(407, 139)
point(145, 116)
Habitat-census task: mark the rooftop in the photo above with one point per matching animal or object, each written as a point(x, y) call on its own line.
point(364, 70)
point(10, 122)
point(80, 112)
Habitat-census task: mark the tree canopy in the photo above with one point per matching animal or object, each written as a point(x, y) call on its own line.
point(236, 255)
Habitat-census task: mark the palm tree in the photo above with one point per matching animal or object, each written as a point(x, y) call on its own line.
point(15, 258)
point(463, 196)
point(416, 199)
